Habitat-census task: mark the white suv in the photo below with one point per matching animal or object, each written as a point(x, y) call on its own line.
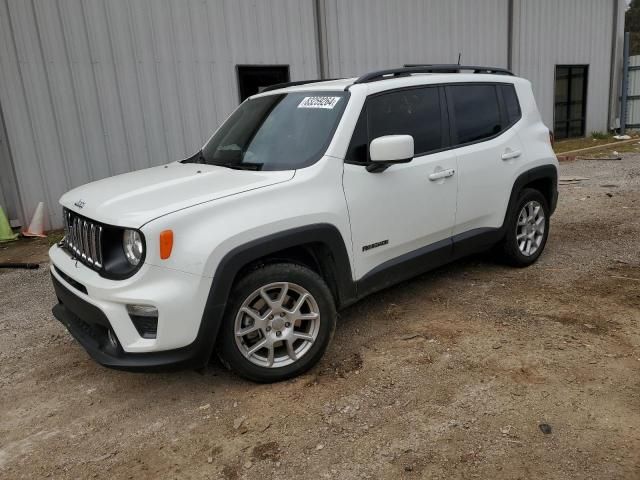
point(309, 197)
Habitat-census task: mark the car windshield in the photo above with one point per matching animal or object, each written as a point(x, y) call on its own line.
point(276, 132)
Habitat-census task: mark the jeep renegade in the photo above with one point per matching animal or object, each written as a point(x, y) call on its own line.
point(309, 197)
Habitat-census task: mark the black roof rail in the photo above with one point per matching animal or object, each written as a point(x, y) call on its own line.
point(410, 69)
point(456, 68)
point(293, 84)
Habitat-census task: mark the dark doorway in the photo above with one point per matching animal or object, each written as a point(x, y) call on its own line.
point(253, 79)
point(570, 101)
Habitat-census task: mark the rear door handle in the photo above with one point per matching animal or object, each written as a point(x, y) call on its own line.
point(508, 155)
point(442, 174)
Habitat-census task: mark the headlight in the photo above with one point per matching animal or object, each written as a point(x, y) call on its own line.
point(133, 246)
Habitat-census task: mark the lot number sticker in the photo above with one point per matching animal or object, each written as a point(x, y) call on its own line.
point(319, 102)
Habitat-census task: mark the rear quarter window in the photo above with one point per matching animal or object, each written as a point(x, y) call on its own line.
point(511, 103)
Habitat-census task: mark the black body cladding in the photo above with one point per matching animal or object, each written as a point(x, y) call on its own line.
point(89, 325)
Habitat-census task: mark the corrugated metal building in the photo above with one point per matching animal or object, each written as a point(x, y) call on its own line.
point(92, 88)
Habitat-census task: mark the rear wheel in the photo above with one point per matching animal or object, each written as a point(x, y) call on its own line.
point(278, 323)
point(527, 229)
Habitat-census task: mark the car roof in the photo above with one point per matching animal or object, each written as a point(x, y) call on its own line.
point(413, 79)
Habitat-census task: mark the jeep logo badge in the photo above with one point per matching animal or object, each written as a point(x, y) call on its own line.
point(80, 204)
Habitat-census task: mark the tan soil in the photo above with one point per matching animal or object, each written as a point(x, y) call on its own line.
point(446, 376)
point(28, 250)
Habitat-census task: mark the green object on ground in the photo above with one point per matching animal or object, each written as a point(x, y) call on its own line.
point(6, 234)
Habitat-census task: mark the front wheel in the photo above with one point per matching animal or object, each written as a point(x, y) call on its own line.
point(527, 229)
point(279, 321)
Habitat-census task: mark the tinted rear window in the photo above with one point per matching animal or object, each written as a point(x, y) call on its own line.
point(477, 112)
point(511, 103)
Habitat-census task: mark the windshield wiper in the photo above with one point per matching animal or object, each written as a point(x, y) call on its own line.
point(197, 158)
point(241, 166)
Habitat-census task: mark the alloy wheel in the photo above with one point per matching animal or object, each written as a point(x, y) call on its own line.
point(277, 325)
point(530, 228)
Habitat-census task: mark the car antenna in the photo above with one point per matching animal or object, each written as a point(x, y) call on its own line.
point(459, 57)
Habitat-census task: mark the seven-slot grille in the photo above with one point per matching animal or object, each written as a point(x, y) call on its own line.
point(83, 238)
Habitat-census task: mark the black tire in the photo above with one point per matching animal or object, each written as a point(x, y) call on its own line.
point(508, 249)
point(230, 353)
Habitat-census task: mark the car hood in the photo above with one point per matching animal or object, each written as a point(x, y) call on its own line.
point(136, 198)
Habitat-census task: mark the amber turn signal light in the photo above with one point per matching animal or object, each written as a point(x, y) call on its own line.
point(166, 243)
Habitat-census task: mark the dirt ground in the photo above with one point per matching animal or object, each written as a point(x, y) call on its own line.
point(447, 376)
point(28, 250)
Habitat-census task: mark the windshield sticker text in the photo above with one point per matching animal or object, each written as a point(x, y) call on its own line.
point(319, 102)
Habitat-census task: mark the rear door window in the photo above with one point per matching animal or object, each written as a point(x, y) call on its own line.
point(477, 112)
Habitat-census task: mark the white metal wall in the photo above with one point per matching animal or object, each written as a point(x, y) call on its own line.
point(553, 32)
point(93, 88)
point(365, 35)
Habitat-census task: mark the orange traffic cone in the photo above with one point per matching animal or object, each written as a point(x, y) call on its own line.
point(36, 227)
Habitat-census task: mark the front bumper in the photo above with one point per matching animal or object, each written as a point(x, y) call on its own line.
point(90, 307)
point(89, 326)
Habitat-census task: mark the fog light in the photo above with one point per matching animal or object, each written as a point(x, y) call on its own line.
point(145, 319)
point(142, 310)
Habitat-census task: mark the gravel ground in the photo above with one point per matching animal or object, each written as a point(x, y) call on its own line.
point(452, 375)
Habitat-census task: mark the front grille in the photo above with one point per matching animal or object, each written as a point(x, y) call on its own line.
point(83, 239)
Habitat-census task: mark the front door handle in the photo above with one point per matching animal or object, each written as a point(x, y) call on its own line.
point(442, 174)
point(509, 154)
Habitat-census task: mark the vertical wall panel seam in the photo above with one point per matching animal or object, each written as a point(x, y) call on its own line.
point(289, 43)
point(196, 78)
point(233, 54)
point(212, 65)
point(319, 40)
point(134, 55)
point(56, 115)
point(12, 171)
point(302, 43)
point(74, 87)
point(20, 207)
point(117, 76)
point(181, 110)
point(510, 14)
point(278, 53)
point(95, 83)
point(612, 62)
point(28, 111)
point(231, 57)
point(157, 79)
point(339, 39)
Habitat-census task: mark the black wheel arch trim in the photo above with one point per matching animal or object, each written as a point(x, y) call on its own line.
point(238, 258)
point(334, 256)
point(543, 172)
point(461, 245)
point(349, 291)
